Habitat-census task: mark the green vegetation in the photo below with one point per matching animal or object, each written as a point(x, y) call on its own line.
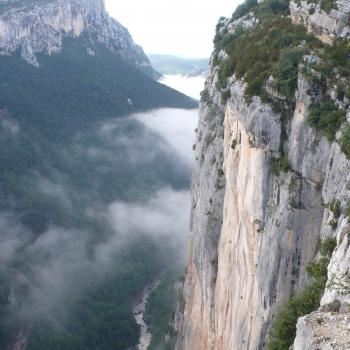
point(335, 207)
point(65, 159)
point(270, 49)
point(225, 94)
point(97, 313)
point(347, 211)
point(327, 247)
point(328, 5)
point(205, 97)
point(325, 117)
point(345, 142)
point(334, 61)
point(280, 164)
point(226, 69)
point(160, 311)
point(275, 48)
point(74, 89)
point(244, 8)
point(284, 328)
point(286, 72)
point(99, 316)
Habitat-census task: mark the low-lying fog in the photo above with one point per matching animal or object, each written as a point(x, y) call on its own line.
point(126, 177)
point(190, 86)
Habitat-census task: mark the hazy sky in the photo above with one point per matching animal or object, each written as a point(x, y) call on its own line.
point(180, 27)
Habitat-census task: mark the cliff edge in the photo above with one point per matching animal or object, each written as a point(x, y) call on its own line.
point(34, 26)
point(271, 183)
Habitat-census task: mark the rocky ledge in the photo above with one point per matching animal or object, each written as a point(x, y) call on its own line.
point(323, 331)
point(327, 24)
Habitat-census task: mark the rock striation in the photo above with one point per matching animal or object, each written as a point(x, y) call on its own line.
point(253, 231)
point(33, 27)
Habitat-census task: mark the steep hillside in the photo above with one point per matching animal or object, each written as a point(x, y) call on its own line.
point(40, 26)
point(72, 168)
point(270, 190)
point(82, 64)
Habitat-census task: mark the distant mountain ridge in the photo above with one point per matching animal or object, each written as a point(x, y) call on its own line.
point(167, 64)
point(37, 26)
point(69, 77)
point(82, 63)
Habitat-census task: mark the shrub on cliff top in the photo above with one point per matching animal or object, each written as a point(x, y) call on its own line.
point(270, 48)
point(243, 9)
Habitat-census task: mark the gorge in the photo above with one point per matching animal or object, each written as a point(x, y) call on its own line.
point(86, 162)
point(96, 156)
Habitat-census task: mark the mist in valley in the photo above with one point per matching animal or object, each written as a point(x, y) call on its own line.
point(111, 206)
point(189, 85)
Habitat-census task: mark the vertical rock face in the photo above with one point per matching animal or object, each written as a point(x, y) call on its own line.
point(208, 189)
point(325, 25)
point(34, 27)
point(253, 229)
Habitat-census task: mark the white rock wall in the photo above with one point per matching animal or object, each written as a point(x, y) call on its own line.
point(266, 226)
point(41, 29)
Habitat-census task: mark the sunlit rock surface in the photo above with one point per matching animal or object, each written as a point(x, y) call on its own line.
point(253, 231)
point(323, 331)
point(33, 27)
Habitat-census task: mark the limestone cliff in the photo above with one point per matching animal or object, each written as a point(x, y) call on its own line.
point(328, 24)
point(254, 229)
point(32, 27)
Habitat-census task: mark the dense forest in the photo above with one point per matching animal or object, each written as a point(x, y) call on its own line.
point(71, 164)
point(74, 88)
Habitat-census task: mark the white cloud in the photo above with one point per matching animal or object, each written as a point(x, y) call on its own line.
point(176, 126)
point(12, 236)
point(9, 125)
point(166, 214)
point(190, 86)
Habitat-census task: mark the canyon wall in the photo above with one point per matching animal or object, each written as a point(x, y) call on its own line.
point(254, 229)
point(32, 28)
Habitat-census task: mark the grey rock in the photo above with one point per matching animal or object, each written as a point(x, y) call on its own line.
point(331, 307)
point(254, 232)
point(38, 27)
point(323, 331)
point(326, 26)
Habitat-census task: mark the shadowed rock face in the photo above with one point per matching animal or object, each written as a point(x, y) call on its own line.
point(253, 232)
point(34, 27)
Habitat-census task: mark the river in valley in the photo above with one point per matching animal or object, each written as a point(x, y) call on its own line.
point(139, 314)
point(176, 126)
